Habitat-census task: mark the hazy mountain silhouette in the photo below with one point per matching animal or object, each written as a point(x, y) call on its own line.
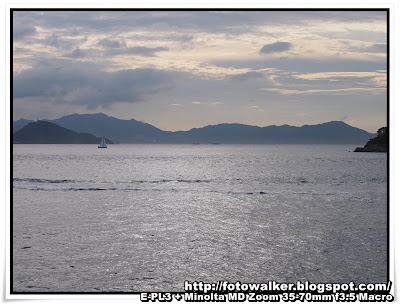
point(43, 132)
point(17, 125)
point(122, 131)
point(132, 131)
point(327, 133)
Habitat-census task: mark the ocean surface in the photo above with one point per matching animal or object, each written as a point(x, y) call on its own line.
point(138, 218)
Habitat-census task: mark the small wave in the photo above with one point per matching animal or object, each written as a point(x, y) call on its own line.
point(89, 189)
point(40, 287)
point(178, 180)
point(75, 189)
point(48, 181)
point(248, 193)
point(302, 180)
point(164, 181)
point(36, 180)
point(142, 278)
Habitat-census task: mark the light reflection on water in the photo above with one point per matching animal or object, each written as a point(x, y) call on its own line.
point(148, 217)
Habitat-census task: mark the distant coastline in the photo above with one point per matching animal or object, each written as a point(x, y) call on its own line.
point(133, 131)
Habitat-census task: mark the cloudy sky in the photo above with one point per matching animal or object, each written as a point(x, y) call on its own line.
point(182, 69)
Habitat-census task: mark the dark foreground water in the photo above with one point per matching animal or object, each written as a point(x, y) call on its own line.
point(148, 217)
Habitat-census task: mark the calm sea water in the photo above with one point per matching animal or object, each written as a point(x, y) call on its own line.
point(148, 217)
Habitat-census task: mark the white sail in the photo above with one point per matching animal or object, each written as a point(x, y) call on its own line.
point(102, 143)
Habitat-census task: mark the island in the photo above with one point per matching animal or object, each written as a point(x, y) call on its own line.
point(377, 144)
point(42, 132)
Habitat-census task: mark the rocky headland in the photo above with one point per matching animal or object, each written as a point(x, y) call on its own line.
point(377, 144)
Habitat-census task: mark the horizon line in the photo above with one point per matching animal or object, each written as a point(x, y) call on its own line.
point(222, 123)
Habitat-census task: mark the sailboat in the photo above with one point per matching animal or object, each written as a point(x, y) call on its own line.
point(102, 143)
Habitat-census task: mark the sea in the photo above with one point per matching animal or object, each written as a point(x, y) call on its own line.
point(147, 218)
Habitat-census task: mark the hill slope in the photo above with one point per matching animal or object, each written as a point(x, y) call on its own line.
point(21, 123)
point(377, 144)
point(123, 131)
point(43, 132)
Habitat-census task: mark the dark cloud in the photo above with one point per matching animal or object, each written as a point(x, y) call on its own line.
point(350, 47)
point(248, 76)
point(111, 43)
point(77, 53)
point(84, 84)
point(276, 47)
point(377, 48)
point(61, 43)
point(186, 21)
point(21, 30)
point(139, 50)
point(54, 41)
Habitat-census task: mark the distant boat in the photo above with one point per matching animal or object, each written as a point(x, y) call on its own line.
point(102, 143)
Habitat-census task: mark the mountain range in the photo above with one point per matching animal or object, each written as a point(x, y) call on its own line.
point(133, 131)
